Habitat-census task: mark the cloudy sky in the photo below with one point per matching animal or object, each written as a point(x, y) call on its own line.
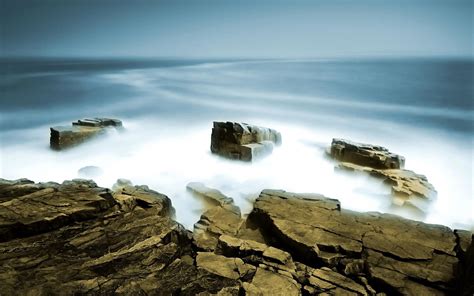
point(220, 28)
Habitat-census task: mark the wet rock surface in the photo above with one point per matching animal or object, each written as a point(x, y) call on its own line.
point(63, 137)
point(242, 141)
point(78, 238)
point(408, 189)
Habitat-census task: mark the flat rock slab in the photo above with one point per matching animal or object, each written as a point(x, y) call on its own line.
point(242, 141)
point(63, 137)
point(408, 189)
point(368, 155)
point(402, 255)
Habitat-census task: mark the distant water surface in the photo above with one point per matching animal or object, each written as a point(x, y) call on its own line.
point(420, 108)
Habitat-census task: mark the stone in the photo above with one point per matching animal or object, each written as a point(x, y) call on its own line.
point(242, 141)
point(63, 137)
point(232, 268)
point(90, 172)
point(222, 216)
point(408, 189)
point(400, 253)
point(212, 197)
point(255, 253)
point(213, 223)
point(368, 155)
point(465, 238)
point(326, 279)
point(266, 282)
point(77, 238)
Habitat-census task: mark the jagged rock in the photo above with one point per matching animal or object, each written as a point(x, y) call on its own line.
point(465, 270)
point(400, 254)
point(221, 217)
point(51, 207)
point(232, 268)
point(326, 280)
point(122, 184)
point(368, 155)
point(465, 239)
point(266, 282)
point(90, 172)
point(63, 137)
point(407, 187)
point(76, 238)
point(255, 253)
point(212, 196)
point(213, 223)
point(243, 141)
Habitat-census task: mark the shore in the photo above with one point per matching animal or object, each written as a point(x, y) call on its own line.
point(78, 238)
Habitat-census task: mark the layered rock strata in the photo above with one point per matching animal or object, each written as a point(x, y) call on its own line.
point(242, 141)
point(76, 238)
point(63, 137)
point(408, 189)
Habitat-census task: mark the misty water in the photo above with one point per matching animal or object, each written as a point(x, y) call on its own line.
point(419, 108)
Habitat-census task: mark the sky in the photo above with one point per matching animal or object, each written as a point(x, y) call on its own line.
point(222, 28)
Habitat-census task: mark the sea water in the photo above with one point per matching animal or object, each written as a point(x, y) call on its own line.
point(417, 107)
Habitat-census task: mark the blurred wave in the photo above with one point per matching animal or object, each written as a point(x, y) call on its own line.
point(420, 108)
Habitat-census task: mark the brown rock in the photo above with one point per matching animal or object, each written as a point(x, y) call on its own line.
point(212, 197)
point(212, 224)
point(266, 282)
point(408, 188)
point(368, 155)
point(77, 238)
point(232, 268)
point(63, 137)
point(243, 141)
point(409, 252)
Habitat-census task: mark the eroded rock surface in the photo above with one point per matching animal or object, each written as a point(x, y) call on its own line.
point(242, 141)
point(368, 155)
point(76, 238)
point(408, 189)
point(63, 137)
point(396, 254)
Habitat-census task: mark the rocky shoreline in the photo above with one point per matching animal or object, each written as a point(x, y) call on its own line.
point(76, 238)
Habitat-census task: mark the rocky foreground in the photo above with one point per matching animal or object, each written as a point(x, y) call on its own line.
point(77, 238)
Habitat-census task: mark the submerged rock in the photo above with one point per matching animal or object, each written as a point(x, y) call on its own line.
point(242, 141)
point(408, 189)
point(63, 137)
point(212, 197)
point(90, 172)
point(368, 155)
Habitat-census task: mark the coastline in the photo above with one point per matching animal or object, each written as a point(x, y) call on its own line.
point(95, 240)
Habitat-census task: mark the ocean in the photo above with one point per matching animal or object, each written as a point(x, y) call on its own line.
point(421, 108)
